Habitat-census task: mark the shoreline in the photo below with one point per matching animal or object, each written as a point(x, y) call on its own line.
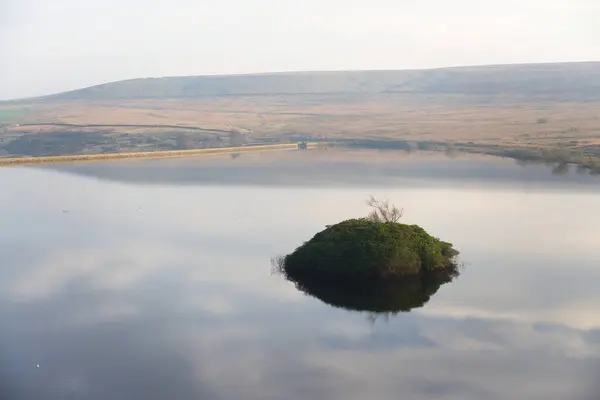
point(586, 159)
point(549, 155)
point(21, 161)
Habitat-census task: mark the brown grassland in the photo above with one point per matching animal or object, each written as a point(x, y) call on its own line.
point(531, 112)
point(503, 120)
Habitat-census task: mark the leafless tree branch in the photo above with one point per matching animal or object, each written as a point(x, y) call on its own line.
point(383, 211)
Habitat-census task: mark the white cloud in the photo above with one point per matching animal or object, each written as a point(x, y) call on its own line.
point(67, 44)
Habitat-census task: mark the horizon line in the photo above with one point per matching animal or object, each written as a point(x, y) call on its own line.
point(306, 71)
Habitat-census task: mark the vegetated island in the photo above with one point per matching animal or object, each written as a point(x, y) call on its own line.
point(372, 264)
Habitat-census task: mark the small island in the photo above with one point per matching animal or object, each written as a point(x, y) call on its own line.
point(370, 250)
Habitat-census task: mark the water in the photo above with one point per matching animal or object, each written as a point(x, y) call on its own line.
point(151, 280)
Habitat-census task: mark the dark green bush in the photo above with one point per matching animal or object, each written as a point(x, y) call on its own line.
point(363, 249)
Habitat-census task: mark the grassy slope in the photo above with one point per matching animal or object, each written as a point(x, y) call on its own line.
point(526, 105)
point(528, 79)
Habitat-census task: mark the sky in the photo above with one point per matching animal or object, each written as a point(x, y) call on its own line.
point(49, 46)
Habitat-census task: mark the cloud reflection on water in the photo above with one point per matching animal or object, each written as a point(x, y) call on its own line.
point(176, 300)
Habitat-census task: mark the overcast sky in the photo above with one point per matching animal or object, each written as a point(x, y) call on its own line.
point(48, 46)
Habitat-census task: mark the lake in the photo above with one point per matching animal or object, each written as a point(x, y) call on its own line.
point(151, 279)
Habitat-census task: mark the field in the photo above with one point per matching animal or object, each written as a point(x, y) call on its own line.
point(545, 107)
point(448, 118)
point(9, 114)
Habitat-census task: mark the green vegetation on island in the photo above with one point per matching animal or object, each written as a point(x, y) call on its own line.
point(373, 264)
point(375, 248)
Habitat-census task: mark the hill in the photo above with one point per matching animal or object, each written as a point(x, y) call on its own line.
point(525, 79)
point(549, 106)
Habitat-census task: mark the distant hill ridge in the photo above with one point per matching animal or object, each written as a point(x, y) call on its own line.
point(577, 78)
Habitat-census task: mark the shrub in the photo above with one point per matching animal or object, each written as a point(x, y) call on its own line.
point(363, 248)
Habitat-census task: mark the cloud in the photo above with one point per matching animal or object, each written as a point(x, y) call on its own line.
point(66, 44)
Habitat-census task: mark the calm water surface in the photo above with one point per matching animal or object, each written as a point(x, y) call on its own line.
point(151, 280)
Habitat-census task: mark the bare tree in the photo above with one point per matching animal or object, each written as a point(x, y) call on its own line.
point(383, 211)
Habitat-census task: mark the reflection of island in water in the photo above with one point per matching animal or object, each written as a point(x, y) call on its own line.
point(382, 297)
